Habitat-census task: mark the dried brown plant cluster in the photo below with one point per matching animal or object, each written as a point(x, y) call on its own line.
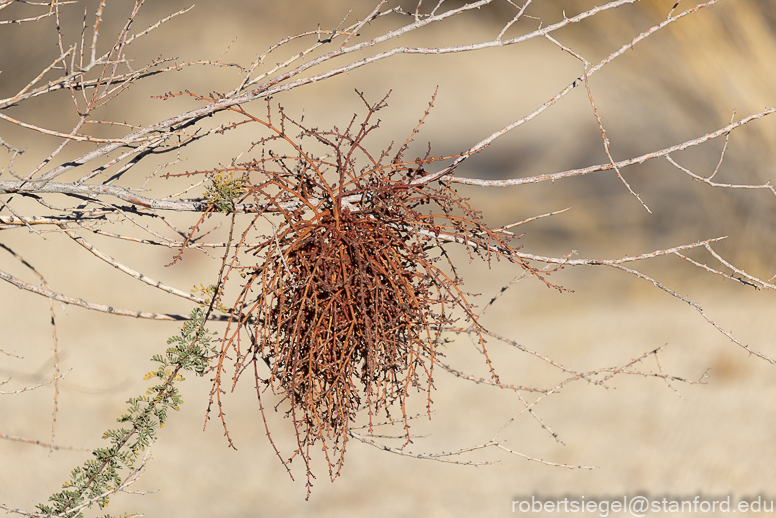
point(351, 292)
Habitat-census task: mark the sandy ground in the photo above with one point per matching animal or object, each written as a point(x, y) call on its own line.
point(642, 436)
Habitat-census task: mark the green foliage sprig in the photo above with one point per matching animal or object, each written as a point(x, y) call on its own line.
point(224, 190)
point(98, 478)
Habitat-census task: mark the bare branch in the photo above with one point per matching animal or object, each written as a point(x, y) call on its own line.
point(439, 457)
point(93, 306)
point(621, 164)
point(36, 442)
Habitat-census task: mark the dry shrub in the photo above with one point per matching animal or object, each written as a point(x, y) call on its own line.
point(350, 295)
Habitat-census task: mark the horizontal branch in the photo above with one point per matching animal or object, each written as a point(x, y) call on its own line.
point(125, 269)
point(617, 165)
point(7, 222)
point(27, 389)
point(37, 442)
point(614, 262)
point(439, 457)
point(49, 294)
point(89, 190)
point(122, 193)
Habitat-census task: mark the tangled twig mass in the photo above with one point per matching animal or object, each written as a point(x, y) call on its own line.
point(352, 290)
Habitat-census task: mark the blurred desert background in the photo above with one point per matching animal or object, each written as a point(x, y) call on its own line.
point(642, 436)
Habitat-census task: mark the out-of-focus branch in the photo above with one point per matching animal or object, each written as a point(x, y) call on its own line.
point(37, 442)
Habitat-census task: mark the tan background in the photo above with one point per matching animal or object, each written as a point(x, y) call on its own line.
point(714, 440)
